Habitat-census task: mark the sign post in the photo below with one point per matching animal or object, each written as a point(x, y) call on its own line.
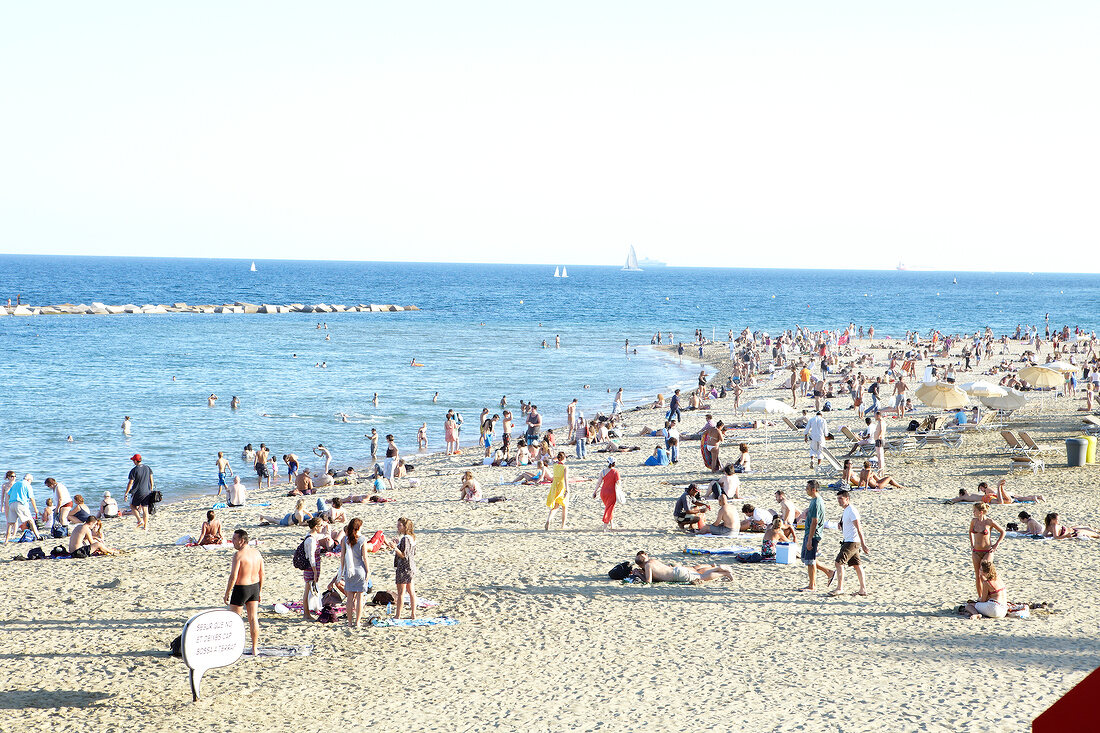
point(211, 639)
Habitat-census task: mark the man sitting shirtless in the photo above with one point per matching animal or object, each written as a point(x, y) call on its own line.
point(655, 571)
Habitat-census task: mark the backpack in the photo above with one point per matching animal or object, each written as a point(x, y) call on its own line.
point(59, 530)
point(620, 571)
point(300, 560)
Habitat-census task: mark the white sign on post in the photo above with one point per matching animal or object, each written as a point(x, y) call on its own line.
point(211, 639)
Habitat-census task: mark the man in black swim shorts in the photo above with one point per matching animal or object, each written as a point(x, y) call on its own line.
point(246, 582)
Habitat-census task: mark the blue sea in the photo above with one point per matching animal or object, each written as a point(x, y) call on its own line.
point(479, 333)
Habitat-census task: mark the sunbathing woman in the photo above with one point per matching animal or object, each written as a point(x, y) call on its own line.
point(872, 480)
point(847, 477)
point(527, 478)
point(298, 516)
point(981, 549)
point(1030, 524)
point(1056, 531)
point(1000, 496)
point(211, 531)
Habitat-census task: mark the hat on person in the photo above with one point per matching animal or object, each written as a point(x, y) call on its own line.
point(106, 494)
point(136, 457)
point(611, 461)
point(28, 478)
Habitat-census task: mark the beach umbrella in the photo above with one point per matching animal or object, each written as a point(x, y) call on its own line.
point(1060, 366)
point(942, 395)
point(768, 407)
point(982, 388)
point(1012, 400)
point(1038, 376)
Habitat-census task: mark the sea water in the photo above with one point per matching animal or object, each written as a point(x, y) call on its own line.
point(479, 335)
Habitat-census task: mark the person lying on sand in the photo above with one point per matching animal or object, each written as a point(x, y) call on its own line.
point(871, 479)
point(528, 478)
point(1055, 530)
point(1030, 525)
point(655, 571)
point(296, 517)
point(989, 496)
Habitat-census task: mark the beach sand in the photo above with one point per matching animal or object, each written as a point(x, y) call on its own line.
point(546, 642)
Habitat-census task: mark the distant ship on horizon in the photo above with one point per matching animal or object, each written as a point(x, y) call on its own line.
point(902, 266)
point(651, 262)
point(633, 264)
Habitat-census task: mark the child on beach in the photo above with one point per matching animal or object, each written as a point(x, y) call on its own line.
point(404, 565)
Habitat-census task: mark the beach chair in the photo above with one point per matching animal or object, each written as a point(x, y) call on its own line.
point(939, 440)
point(1092, 425)
point(1029, 461)
point(902, 444)
point(856, 449)
point(790, 424)
point(1012, 445)
point(830, 467)
point(1031, 445)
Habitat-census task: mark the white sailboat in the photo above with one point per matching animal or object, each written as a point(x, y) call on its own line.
point(563, 272)
point(253, 268)
point(632, 261)
point(557, 272)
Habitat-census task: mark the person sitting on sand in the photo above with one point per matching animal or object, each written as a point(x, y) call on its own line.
point(777, 531)
point(848, 478)
point(336, 514)
point(1055, 530)
point(743, 464)
point(655, 571)
point(83, 542)
point(1030, 524)
point(211, 531)
point(237, 493)
point(108, 507)
point(755, 519)
point(725, 524)
point(992, 596)
point(690, 510)
point(80, 511)
point(870, 479)
point(788, 510)
point(326, 480)
point(470, 489)
point(296, 517)
point(659, 457)
point(303, 485)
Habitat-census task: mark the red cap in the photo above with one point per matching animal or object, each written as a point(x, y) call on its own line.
point(136, 457)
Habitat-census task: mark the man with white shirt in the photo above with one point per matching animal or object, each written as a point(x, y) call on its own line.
point(851, 544)
point(816, 430)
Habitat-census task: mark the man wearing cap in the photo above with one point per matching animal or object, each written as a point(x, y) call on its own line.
point(141, 486)
point(20, 502)
point(607, 486)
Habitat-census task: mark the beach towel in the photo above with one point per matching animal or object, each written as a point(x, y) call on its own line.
point(304, 650)
point(406, 623)
point(223, 505)
point(1026, 536)
point(731, 550)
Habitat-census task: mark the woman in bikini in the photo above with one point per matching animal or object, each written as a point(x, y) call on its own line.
point(1029, 524)
point(1055, 530)
point(872, 480)
point(1000, 496)
point(211, 531)
point(981, 549)
point(992, 596)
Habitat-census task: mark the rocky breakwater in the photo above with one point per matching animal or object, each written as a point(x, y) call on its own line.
point(99, 309)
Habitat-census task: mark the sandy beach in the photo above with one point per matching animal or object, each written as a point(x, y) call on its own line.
point(546, 642)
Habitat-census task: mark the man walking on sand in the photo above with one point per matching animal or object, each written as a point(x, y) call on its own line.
point(246, 582)
point(140, 484)
point(224, 469)
point(850, 545)
point(571, 418)
point(900, 388)
point(878, 431)
point(816, 430)
point(815, 518)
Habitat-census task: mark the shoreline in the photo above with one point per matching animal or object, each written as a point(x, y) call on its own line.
point(99, 309)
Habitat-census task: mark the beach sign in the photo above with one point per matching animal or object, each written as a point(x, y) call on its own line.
point(211, 639)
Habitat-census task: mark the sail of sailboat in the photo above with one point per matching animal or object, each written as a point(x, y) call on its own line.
point(557, 272)
point(253, 268)
point(564, 273)
point(632, 261)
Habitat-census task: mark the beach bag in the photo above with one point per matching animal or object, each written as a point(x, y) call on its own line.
point(177, 646)
point(313, 599)
point(28, 536)
point(59, 530)
point(36, 553)
point(331, 597)
point(300, 560)
point(59, 551)
point(620, 571)
point(382, 598)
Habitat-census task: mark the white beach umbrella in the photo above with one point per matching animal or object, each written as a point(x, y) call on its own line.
point(942, 395)
point(982, 388)
point(1060, 366)
point(1012, 400)
point(768, 407)
point(1038, 376)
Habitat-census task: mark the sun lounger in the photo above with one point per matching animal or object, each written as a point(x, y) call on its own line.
point(830, 466)
point(1012, 445)
point(942, 440)
point(1032, 446)
point(1029, 461)
point(857, 447)
point(902, 444)
point(1092, 425)
point(790, 424)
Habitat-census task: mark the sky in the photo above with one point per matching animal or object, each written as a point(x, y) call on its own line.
point(944, 135)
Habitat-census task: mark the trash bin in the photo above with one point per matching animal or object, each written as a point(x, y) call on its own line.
point(1090, 454)
point(1076, 449)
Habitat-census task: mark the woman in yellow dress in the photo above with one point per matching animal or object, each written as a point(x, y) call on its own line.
point(558, 497)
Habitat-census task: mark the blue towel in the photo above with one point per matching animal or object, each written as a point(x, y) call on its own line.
point(410, 622)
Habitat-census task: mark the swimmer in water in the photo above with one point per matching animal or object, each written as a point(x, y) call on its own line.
point(235, 403)
point(126, 425)
point(69, 439)
point(435, 398)
point(211, 400)
point(375, 399)
point(328, 337)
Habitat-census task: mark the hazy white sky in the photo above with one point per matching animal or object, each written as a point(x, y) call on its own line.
point(772, 134)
